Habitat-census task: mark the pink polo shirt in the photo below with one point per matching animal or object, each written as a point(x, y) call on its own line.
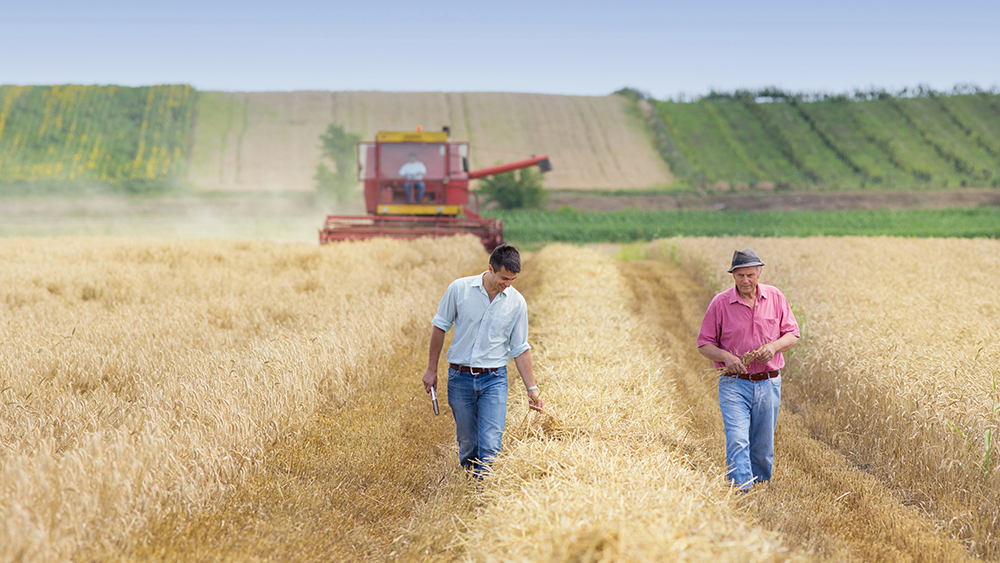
point(734, 326)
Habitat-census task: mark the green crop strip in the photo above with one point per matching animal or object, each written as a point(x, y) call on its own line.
point(883, 144)
point(960, 164)
point(982, 142)
point(779, 139)
point(991, 100)
point(536, 227)
point(736, 148)
point(842, 154)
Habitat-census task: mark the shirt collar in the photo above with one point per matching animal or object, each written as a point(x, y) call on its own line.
point(734, 297)
point(478, 282)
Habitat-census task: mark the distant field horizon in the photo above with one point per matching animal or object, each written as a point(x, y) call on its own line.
point(69, 139)
point(269, 141)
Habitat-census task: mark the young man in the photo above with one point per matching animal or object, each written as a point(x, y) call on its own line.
point(749, 317)
point(491, 324)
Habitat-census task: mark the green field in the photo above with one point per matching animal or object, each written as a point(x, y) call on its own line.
point(770, 138)
point(533, 228)
point(59, 138)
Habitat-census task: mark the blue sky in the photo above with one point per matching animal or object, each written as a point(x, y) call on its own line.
point(590, 48)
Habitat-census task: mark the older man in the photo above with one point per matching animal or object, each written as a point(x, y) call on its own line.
point(491, 325)
point(745, 331)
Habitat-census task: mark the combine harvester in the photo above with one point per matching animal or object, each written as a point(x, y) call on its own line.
point(444, 210)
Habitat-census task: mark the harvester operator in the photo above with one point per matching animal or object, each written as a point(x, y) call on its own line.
point(491, 324)
point(745, 331)
point(414, 171)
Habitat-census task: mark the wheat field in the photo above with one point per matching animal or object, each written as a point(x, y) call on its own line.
point(141, 376)
point(605, 476)
point(898, 370)
point(178, 400)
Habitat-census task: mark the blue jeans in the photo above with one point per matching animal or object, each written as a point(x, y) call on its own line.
point(409, 190)
point(479, 403)
point(749, 413)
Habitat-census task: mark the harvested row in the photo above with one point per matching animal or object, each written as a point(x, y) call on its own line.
point(898, 367)
point(818, 500)
point(144, 377)
point(609, 473)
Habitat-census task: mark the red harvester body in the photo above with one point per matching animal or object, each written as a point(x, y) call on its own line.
point(444, 209)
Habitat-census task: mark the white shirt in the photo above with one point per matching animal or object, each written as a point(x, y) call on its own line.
point(413, 170)
point(485, 332)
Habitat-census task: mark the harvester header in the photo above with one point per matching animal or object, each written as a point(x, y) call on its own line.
point(416, 183)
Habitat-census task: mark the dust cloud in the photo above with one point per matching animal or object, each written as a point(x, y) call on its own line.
point(280, 217)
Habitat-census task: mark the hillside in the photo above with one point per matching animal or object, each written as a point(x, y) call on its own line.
point(68, 139)
point(270, 141)
point(134, 138)
point(768, 139)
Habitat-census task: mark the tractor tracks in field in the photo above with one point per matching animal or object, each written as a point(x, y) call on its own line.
point(817, 500)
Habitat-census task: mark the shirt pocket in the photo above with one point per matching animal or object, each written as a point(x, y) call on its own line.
point(768, 330)
point(500, 325)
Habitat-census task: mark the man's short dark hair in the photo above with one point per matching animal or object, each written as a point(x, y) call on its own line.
point(505, 256)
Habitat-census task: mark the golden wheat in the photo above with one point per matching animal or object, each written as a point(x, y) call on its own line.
point(899, 362)
point(605, 475)
point(142, 376)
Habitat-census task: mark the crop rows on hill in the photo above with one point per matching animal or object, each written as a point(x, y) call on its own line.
point(769, 138)
point(130, 137)
point(137, 139)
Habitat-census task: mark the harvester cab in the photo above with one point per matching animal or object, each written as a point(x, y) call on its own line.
point(416, 183)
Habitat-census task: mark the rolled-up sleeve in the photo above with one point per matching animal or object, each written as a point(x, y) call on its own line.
point(788, 323)
point(519, 332)
point(447, 309)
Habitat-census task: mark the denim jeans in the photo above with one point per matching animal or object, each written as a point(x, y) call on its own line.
point(479, 403)
point(409, 190)
point(749, 413)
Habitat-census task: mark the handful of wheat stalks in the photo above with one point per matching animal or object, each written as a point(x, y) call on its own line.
point(747, 358)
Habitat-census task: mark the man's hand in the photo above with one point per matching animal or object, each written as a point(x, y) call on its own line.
point(734, 364)
point(534, 401)
point(767, 352)
point(430, 379)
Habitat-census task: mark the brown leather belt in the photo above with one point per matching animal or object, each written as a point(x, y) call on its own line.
point(472, 370)
point(754, 376)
